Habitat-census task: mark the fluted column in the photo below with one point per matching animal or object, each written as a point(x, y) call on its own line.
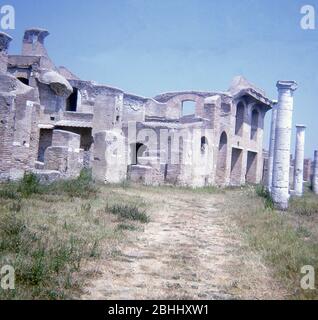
point(280, 186)
point(299, 161)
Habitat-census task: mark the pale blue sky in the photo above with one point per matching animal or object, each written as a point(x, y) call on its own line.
point(152, 46)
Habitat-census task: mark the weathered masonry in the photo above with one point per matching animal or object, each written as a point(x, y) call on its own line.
point(54, 124)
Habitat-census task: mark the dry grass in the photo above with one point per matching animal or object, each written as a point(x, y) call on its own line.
point(48, 233)
point(286, 241)
point(51, 233)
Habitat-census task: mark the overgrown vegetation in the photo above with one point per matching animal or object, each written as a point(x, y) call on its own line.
point(81, 187)
point(263, 192)
point(287, 240)
point(49, 232)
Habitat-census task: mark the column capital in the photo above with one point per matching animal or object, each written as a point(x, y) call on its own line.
point(301, 126)
point(289, 85)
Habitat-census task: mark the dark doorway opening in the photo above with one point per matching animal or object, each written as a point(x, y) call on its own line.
point(45, 141)
point(24, 80)
point(204, 145)
point(254, 125)
point(138, 150)
point(221, 166)
point(236, 166)
point(71, 102)
point(251, 168)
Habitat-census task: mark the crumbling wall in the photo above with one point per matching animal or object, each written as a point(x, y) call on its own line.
point(108, 106)
point(134, 108)
point(19, 126)
point(6, 133)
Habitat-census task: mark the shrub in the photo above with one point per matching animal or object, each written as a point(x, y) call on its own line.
point(263, 192)
point(29, 185)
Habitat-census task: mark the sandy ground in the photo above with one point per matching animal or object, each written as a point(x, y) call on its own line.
point(190, 250)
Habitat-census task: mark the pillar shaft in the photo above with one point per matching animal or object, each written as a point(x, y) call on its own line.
point(280, 185)
point(272, 147)
point(299, 161)
point(315, 174)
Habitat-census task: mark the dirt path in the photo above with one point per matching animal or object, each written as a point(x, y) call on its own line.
point(190, 250)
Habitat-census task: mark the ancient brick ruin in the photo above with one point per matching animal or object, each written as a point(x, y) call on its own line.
point(55, 124)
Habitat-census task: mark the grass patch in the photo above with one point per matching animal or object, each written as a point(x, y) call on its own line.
point(305, 206)
point(49, 232)
point(45, 266)
point(82, 187)
point(129, 212)
point(29, 185)
point(9, 193)
point(77, 188)
point(284, 239)
point(264, 193)
point(127, 227)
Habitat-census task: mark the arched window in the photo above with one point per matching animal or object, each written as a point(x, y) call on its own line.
point(204, 145)
point(188, 108)
point(240, 111)
point(254, 124)
point(222, 160)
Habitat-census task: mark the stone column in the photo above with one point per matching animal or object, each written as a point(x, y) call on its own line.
point(33, 42)
point(299, 161)
point(272, 146)
point(280, 185)
point(315, 174)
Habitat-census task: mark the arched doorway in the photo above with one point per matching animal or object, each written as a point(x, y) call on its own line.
point(222, 160)
point(204, 145)
point(137, 150)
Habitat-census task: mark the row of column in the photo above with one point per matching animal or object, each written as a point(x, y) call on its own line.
point(280, 147)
